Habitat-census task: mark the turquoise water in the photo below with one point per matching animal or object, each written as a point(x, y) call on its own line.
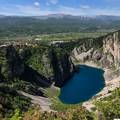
point(87, 82)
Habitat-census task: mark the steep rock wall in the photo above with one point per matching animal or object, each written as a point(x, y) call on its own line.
point(17, 69)
point(63, 68)
point(40, 66)
point(106, 52)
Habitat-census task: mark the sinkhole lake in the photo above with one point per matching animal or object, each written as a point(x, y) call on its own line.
point(87, 82)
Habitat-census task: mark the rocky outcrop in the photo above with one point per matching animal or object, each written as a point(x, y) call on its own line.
point(106, 52)
point(18, 69)
point(83, 55)
point(14, 63)
point(47, 69)
point(97, 55)
point(31, 75)
point(111, 47)
point(62, 68)
point(39, 66)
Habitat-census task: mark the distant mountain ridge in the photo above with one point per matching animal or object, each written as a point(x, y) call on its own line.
point(56, 23)
point(101, 17)
point(61, 15)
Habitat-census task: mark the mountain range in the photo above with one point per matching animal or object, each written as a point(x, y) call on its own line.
point(56, 23)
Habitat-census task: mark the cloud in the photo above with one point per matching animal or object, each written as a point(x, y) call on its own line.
point(34, 10)
point(85, 6)
point(20, 10)
point(28, 10)
point(89, 11)
point(53, 1)
point(37, 4)
point(70, 10)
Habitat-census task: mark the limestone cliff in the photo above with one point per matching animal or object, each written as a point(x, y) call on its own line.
point(18, 69)
point(106, 52)
point(39, 66)
point(63, 68)
point(111, 47)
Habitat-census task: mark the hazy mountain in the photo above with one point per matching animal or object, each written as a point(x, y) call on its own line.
point(59, 16)
point(56, 23)
point(2, 16)
point(67, 16)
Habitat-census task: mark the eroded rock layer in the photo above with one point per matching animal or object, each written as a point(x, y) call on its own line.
point(106, 52)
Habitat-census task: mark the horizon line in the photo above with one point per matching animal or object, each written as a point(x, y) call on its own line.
point(16, 15)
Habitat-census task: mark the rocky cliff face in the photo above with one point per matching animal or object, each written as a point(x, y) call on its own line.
point(111, 47)
point(56, 64)
point(63, 68)
point(14, 63)
point(18, 69)
point(106, 52)
point(40, 66)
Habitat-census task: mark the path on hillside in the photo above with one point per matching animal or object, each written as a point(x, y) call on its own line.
point(43, 102)
point(4, 45)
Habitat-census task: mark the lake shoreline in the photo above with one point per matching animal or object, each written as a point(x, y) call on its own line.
point(85, 84)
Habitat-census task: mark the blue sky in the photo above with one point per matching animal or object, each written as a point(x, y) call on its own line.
point(45, 7)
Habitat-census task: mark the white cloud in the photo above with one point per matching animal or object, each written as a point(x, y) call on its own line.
point(24, 10)
point(37, 4)
point(85, 6)
point(28, 10)
point(89, 11)
point(70, 10)
point(32, 10)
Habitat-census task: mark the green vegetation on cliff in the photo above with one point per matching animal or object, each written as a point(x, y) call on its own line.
point(28, 68)
point(10, 101)
point(110, 106)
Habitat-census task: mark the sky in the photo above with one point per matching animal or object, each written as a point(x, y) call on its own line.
point(46, 7)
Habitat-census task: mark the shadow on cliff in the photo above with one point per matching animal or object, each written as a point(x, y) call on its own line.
point(34, 77)
point(63, 68)
point(18, 69)
point(1, 78)
point(1, 75)
point(86, 83)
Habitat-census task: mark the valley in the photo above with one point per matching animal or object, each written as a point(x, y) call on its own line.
point(59, 74)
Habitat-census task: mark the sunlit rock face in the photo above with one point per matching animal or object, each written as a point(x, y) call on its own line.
point(106, 52)
point(111, 48)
